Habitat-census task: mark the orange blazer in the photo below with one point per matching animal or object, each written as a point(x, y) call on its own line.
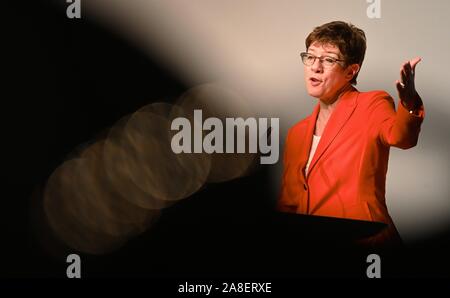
point(347, 175)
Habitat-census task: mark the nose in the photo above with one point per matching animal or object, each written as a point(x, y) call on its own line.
point(317, 66)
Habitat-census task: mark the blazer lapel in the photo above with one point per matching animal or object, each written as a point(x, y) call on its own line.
point(303, 140)
point(337, 120)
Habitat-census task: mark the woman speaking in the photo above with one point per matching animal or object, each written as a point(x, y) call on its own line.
point(336, 160)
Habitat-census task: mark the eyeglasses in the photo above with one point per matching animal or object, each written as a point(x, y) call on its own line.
point(327, 62)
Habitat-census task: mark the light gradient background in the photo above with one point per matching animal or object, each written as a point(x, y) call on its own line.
point(253, 46)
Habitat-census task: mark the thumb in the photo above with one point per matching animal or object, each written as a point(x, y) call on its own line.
point(399, 86)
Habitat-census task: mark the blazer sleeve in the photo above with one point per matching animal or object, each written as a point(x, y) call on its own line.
point(395, 128)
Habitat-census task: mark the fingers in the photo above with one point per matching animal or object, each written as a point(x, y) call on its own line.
point(405, 86)
point(404, 73)
point(414, 62)
point(407, 71)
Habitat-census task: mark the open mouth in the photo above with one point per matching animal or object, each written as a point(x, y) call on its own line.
point(314, 81)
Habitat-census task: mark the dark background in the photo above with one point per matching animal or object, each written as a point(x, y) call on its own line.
point(64, 82)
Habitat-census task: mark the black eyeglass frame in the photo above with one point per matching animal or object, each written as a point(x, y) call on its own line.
point(303, 55)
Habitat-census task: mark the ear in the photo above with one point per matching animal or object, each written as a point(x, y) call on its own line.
point(351, 71)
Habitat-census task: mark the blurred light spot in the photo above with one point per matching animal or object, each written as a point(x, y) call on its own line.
point(217, 101)
point(117, 169)
point(154, 167)
point(71, 216)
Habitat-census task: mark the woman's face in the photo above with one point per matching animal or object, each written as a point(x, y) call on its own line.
point(324, 83)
